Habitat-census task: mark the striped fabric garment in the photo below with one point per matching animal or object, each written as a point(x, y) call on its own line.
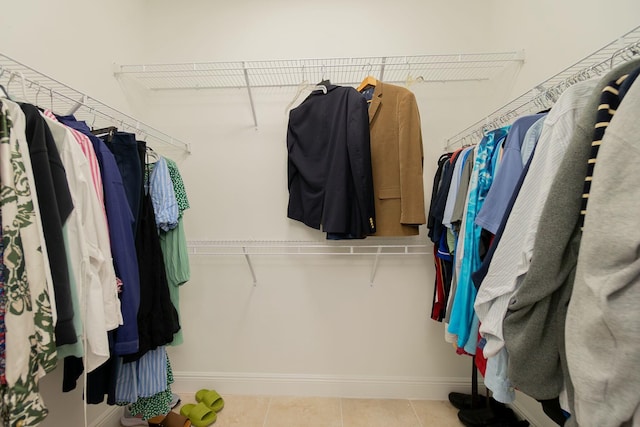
point(609, 102)
point(163, 197)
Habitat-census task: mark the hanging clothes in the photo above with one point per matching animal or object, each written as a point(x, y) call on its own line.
point(174, 247)
point(120, 222)
point(56, 206)
point(91, 249)
point(329, 164)
point(507, 175)
point(396, 160)
point(513, 252)
point(157, 317)
point(30, 342)
point(462, 315)
point(602, 322)
point(546, 288)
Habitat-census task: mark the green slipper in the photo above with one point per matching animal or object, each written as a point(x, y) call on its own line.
point(211, 399)
point(199, 414)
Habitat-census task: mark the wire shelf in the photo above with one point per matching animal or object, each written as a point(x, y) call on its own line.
point(343, 71)
point(341, 247)
point(50, 93)
point(543, 95)
point(250, 248)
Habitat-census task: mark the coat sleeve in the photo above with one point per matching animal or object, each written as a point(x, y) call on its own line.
point(411, 161)
point(359, 149)
point(603, 322)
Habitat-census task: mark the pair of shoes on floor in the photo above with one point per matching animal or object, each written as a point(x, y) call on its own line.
point(172, 419)
point(175, 400)
point(129, 420)
point(493, 416)
point(466, 401)
point(205, 412)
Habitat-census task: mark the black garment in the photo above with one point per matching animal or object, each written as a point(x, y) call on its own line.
point(54, 199)
point(100, 382)
point(157, 317)
point(553, 410)
point(626, 85)
point(432, 223)
point(125, 149)
point(441, 199)
point(329, 163)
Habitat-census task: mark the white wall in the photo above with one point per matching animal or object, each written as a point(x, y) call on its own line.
point(309, 318)
point(312, 325)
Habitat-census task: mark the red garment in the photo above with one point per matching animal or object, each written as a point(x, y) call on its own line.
point(438, 292)
point(480, 360)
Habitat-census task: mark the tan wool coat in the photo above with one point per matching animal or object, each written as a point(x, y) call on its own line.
point(396, 161)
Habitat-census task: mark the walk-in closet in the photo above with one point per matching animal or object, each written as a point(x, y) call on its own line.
point(334, 214)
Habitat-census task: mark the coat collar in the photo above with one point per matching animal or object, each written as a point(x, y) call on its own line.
point(376, 100)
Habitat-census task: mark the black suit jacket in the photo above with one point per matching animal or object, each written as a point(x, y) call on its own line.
point(329, 169)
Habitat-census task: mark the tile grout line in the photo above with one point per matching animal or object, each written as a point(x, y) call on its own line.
point(266, 415)
point(415, 413)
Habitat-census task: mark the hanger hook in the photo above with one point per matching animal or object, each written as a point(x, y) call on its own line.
point(324, 72)
point(38, 92)
point(22, 85)
point(51, 98)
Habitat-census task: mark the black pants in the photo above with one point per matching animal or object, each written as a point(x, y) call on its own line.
point(125, 150)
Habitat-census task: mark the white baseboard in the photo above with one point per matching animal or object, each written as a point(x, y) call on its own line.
point(320, 385)
point(530, 410)
point(109, 418)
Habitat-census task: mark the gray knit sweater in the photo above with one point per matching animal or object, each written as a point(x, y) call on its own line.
point(603, 321)
point(534, 324)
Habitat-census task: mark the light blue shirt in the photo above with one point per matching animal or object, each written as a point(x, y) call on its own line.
point(163, 197)
point(506, 177)
point(531, 139)
point(496, 379)
point(462, 313)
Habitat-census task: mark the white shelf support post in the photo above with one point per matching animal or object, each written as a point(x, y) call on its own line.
point(248, 258)
point(384, 60)
point(253, 107)
point(375, 266)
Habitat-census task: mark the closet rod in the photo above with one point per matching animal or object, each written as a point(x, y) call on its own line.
point(60, 98)
point(544, 94)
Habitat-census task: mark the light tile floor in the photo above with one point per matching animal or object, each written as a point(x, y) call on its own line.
point(272, 411)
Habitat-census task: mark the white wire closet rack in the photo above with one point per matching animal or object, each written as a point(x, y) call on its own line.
point(35, 86)
point(248, 248)
point(543, 95)
point(343, 71)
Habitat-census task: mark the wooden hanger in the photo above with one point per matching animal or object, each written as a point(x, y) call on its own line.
point(368, 81)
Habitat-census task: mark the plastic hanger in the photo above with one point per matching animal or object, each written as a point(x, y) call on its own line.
point(24, 91)
point(306, 85)
point(152, 156)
